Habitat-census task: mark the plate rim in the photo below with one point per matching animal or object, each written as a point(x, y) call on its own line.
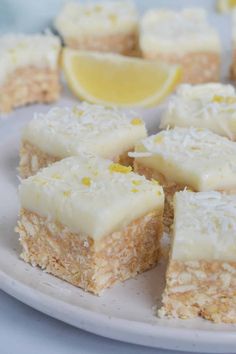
point(130, 331)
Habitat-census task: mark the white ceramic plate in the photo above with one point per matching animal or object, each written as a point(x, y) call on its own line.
point(125, 312)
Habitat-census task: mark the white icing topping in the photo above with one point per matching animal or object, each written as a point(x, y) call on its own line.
point(211, 106)
point(90, 195)
point(167, 31)
point(191, 157)
point(19, 51)
point(204, 226)
point(203, 106)
point(63, 132)
point(97, 18)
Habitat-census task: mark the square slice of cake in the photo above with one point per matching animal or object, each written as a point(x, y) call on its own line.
point(201, 275)
point(64, 132)
point(184, 38)
point(106, 26)
point(29, 70)
point(90, 221)
point(187, 158)
point(211, 106)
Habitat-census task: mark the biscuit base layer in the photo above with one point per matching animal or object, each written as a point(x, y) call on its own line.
point(32, 159)
point(83, 262)
point(124, 43)
point(197, 67)
point(29, 85)
point(170, 188)
point(200, 288)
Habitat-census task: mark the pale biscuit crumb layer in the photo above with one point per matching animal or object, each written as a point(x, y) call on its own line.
point(29, 85)
point(197, 67)
point(200, 288)
point(32, 159)
point(123, 43)
point(84, 263)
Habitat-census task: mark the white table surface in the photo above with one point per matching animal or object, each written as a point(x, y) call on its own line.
point(24, 330)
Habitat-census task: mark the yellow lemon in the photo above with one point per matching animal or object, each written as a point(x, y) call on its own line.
point(116, 80)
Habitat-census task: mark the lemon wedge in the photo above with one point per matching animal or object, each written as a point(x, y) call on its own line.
point(225, 5)
point(113, 79)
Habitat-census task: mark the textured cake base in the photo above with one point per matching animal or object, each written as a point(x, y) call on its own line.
point(32, 159)
point(197, 67)
point(82, 262)
point(125, 43)
point(29, 85)
point(170, 188)
point(200, 288)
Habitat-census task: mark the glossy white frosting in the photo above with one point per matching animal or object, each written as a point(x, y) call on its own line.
point(211, 106)
point(90, 195)
point(20, 51)
point(62, 132)
point(204, 226)
point(78, 19)
point(165, 31)
point(191, 157)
